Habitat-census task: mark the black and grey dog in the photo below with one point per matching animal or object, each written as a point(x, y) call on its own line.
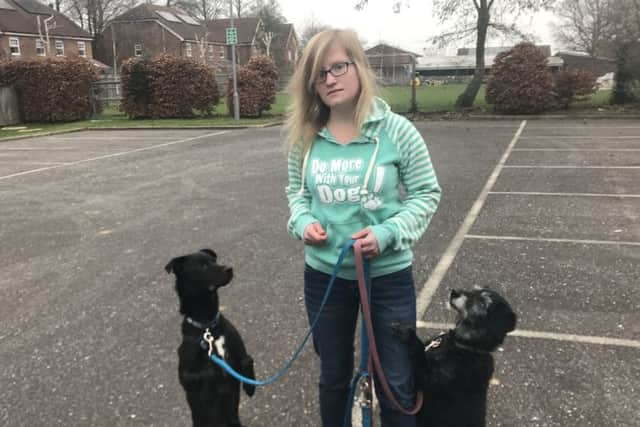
point(454, 369)
point(213, 395)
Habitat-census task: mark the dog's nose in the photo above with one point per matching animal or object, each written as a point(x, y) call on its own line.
point(454, 294)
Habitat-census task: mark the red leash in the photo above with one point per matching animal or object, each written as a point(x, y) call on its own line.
point(373, 352)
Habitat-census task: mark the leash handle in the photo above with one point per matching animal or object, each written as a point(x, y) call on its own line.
point(224, 365)
point(373, 352)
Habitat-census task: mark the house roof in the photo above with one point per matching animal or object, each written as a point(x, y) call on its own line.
point(282, 35)
point(173, 18)
point(494, 50)
point(466, 62)
point(384, 55)
point(21, 17)
point(385, 49)
point(247, 29)
point(585, 55)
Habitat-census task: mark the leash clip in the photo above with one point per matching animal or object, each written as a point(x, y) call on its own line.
point(208, 337)
point(435, 343)
point(365, 396)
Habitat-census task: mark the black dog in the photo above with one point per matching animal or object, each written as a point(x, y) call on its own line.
point(454, 369)
point(213, 395)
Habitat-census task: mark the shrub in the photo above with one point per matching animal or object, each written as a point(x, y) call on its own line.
point(136, 90)
point(168, 87)
point(179, 86)
point(571, 85)
point(520, 81)
point(256, 87)
point(51, 89)
point(627, 75)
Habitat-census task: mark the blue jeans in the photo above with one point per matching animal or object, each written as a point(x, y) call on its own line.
point(392, 300)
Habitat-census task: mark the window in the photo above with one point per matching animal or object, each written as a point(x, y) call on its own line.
point(82, 49)
point(40, 47)
point(222, 52)
point(168, 16)
point(211, 50)
point(59, 47)
point(186, 18)
point(188, 49)
point(137, 49)
point(14, 46)
point(289, 56)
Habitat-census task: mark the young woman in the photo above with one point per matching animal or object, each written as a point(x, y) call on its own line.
point(356, 170)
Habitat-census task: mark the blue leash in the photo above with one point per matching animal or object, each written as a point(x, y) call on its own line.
point(224, 365)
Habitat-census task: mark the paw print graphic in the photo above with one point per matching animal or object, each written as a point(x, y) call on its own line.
point(371, 202)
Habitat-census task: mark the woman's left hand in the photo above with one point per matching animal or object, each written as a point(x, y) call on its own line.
point(368, 243)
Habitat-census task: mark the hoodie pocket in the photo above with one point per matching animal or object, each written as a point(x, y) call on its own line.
point(340, 233)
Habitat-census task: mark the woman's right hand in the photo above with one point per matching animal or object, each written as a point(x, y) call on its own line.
point(314, 234)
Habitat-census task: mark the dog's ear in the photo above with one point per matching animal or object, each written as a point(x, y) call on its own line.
point(209, 252)
point(174, 265)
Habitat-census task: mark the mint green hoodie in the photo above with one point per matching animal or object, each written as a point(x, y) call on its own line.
point(384, 179)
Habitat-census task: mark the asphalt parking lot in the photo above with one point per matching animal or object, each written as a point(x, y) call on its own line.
point(547, 212)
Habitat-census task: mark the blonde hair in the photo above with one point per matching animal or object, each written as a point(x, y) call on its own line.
point(307, 114)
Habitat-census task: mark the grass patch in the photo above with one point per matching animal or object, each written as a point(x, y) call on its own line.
point(111, 117)
point(429, 99)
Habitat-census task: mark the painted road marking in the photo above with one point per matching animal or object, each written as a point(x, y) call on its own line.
point(429, 288)
point(588, 339)
point(108, 156)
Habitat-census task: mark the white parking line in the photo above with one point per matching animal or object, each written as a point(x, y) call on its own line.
point(19, 162)
point(588, 339)
point(108, 156)
point(553, 240)
point(577, 149)
point(539, 193)
point(533, 126)
point(37, 148)
point(567, 167)
point(429, 288)
point(582, 137)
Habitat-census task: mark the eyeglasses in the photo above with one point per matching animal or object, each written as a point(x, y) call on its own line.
point(338, 69)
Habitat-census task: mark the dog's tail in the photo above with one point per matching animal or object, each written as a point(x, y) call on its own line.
point(246, 369)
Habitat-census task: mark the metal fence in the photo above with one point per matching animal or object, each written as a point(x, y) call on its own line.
point(9, 109)
point(106, 91)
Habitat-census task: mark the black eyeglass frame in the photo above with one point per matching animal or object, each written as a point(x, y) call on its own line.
point(322, 77)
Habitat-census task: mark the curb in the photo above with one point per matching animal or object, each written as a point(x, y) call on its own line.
point(79, 129)
point(489, 117)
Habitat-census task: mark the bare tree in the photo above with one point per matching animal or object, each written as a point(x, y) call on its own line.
point(267, 38)
point(205, 10)
point(94, 15)
point(475, 18)
point(242, 7)
point(270, 12)
point(310, 29)
point(587, 25)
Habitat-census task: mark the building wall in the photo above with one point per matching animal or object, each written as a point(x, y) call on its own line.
point(28, 47)
point(598, 66)
point(153, 38)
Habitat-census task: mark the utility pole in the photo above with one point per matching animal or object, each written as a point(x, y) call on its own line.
point(236, 101)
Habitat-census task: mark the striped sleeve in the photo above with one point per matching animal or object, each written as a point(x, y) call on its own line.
point(420, 182)
point(299, 199)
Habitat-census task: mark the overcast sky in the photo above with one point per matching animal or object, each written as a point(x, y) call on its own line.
point(408, 29)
